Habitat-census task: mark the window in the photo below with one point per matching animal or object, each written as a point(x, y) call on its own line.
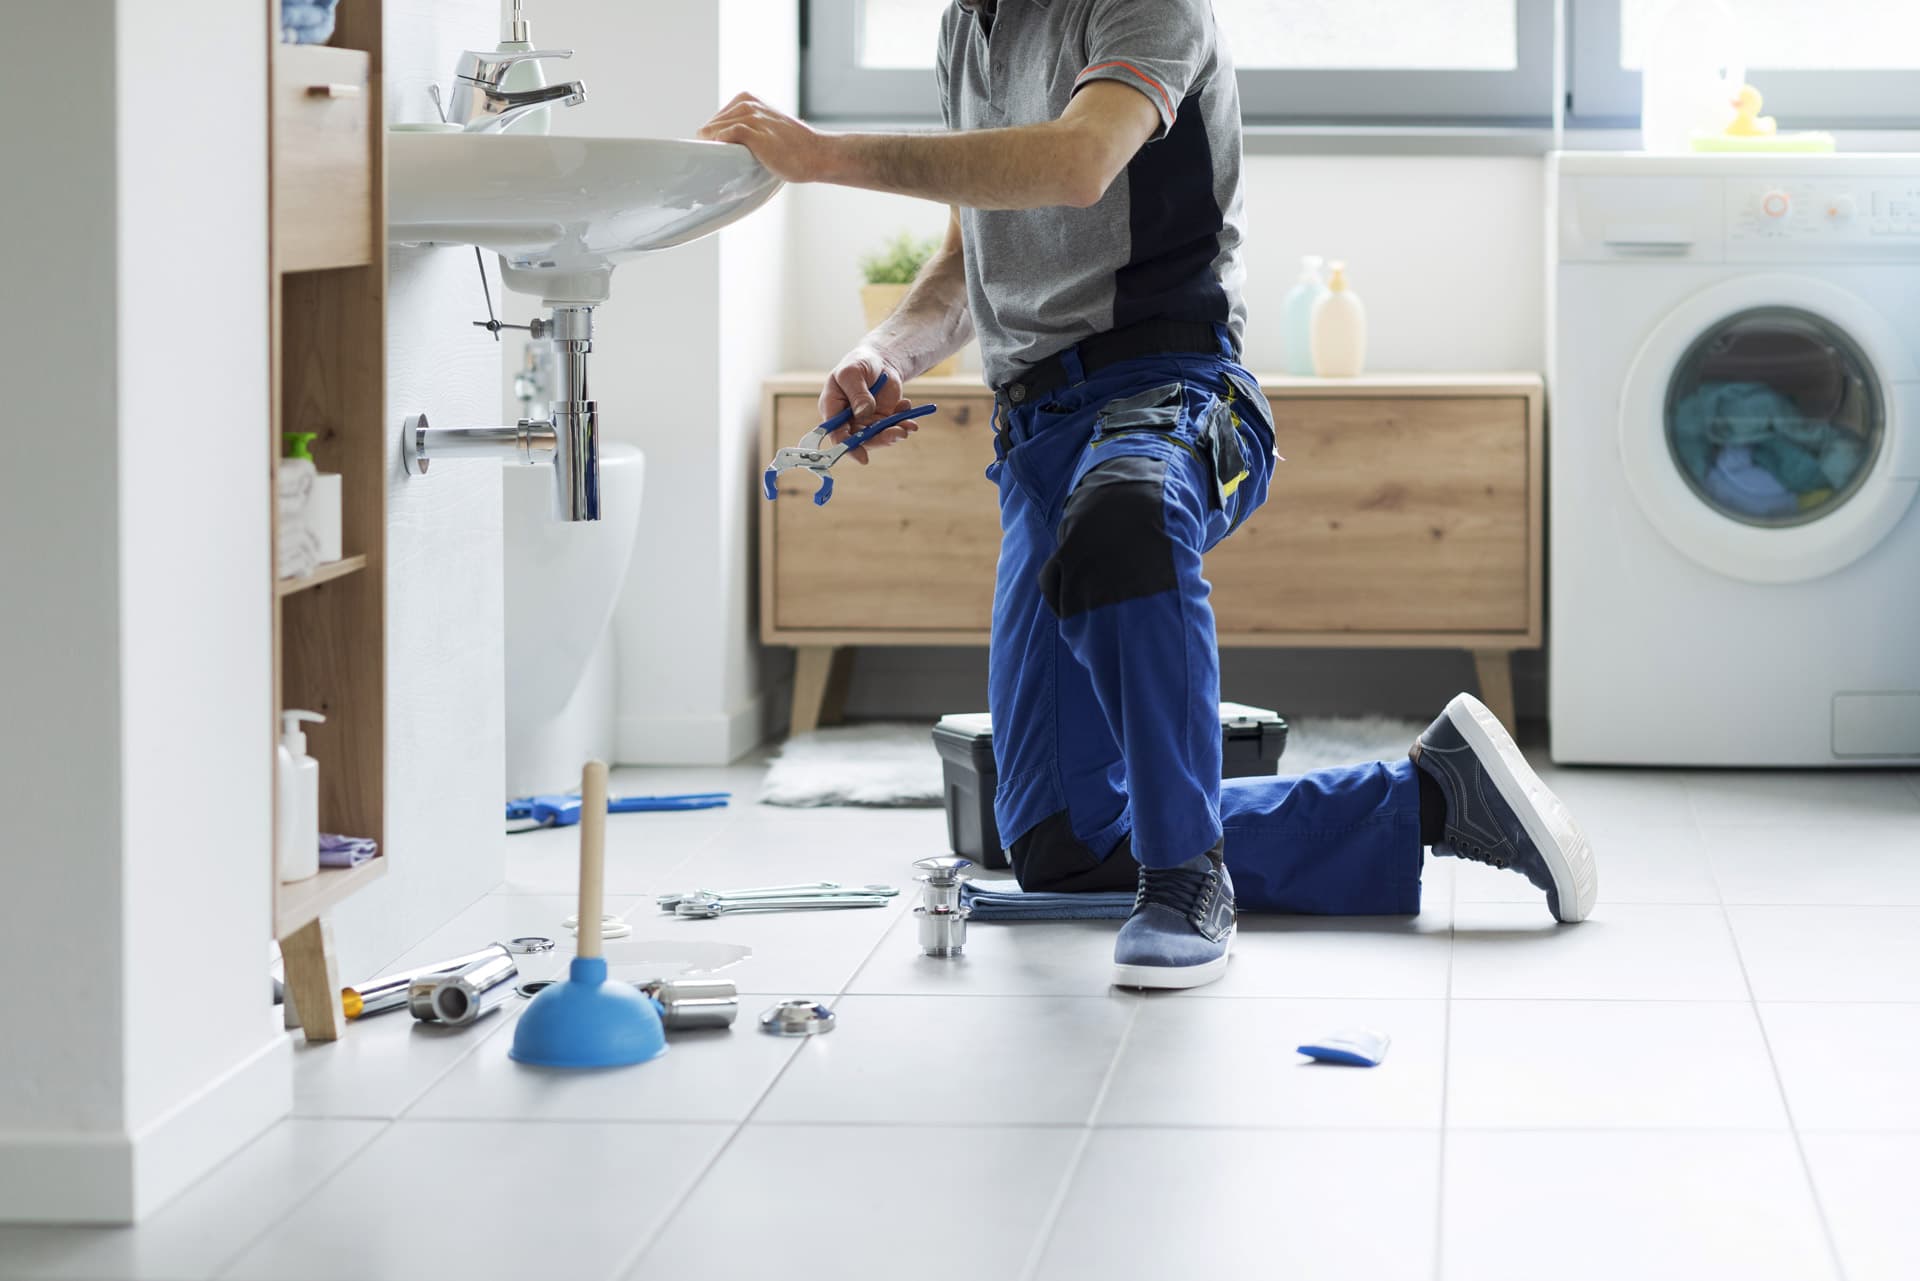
point(1839, 64)
point(1300, 61)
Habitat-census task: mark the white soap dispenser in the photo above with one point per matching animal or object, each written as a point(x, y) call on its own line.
point(524, 75)
point(1339, 329)
point(297, 779)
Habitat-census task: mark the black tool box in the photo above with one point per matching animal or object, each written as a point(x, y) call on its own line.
point(1252, 740)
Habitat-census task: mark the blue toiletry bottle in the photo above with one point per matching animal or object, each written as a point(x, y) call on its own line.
point(1297, 315)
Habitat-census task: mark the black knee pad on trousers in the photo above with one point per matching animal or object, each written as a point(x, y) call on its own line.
point(1049, 857)
point(1113, 543)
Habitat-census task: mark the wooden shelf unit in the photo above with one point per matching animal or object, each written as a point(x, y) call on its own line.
point(325, 574)
point(328, 303)
point(1409, 516)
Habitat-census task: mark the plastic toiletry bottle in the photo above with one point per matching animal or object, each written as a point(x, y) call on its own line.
point(1691, 72)
point(1339, 329)
point(1296, 320)
point(524, 75)
point(323, 500)
point(297, 781)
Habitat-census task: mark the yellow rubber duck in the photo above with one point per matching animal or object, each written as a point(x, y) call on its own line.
point(1747, 121)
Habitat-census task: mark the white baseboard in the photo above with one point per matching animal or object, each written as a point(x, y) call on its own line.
point(716, 739)
point(121, 1178)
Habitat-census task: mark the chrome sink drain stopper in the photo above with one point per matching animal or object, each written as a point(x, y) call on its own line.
point(797, 1018)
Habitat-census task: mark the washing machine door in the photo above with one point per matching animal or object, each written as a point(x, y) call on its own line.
point(1769, 428)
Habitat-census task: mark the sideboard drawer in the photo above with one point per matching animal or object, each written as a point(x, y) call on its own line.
point(323, 158)
point(908, 543)
point(1391, 514)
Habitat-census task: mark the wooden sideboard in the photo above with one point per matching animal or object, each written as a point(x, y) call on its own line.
point(1407, 515)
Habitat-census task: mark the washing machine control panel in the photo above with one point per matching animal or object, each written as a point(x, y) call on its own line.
point(1836, 211)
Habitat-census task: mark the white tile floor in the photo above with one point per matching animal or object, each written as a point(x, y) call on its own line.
point(1712, 1078)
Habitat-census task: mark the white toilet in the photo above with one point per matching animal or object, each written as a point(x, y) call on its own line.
point(562, 580)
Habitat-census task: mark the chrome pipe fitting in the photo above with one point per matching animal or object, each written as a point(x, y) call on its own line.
point(568, 437)
point(694, 1003)
point(942, 917)
point(462, 997)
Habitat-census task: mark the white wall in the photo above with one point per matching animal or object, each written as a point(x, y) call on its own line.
point(680, 351)
point(135, 653)
point(446, 697)
point(1446, 251)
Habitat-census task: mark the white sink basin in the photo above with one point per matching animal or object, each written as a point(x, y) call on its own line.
point(563, 212)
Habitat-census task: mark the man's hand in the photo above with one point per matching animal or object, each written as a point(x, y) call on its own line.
point(848, 385)
point(791, 150)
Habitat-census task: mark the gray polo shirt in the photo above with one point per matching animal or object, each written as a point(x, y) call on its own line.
point(1164, 242)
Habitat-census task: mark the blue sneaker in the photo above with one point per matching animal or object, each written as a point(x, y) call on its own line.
point(1500, 813)
point(1181, 927)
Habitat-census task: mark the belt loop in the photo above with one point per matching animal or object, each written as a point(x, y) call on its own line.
point(1070, 365)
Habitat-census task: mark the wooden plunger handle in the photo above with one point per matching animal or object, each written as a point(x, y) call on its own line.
point(593, 846)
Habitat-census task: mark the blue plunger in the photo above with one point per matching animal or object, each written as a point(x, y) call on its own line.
point(583, 1021)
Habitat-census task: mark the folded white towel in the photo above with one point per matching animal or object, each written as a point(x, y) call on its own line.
point(296, 545)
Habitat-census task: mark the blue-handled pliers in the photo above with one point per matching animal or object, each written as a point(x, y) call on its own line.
point(556, 810)
point(817, 456)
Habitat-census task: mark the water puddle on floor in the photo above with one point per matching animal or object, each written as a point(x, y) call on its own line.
point(644, 959)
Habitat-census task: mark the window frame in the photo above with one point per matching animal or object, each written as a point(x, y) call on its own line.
point(836, 89)
point(1299, 105)
point(1603, 94)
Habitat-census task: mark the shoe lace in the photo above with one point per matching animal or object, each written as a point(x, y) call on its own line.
point(1468, 848)
point(1187, 890)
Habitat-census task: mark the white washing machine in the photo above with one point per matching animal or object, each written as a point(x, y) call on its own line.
point(1734, 365)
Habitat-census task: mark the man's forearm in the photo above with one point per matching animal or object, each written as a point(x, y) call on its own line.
point(1029, 167)
point(932, 321)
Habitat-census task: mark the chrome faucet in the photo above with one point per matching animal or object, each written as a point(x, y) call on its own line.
point(479, 103)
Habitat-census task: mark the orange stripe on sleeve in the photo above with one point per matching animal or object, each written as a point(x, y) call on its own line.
point(1116, 62)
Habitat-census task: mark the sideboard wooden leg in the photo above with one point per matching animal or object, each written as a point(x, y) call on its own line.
point(833, 707)
point(812, 675)
point(1494, 667)
point(313, 979)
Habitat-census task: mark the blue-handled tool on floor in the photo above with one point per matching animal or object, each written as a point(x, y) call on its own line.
point(558, 810)
point(817, 456)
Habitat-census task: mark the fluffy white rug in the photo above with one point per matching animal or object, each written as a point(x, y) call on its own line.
point(1318, 742)
point(876, 765)
point(896, 765)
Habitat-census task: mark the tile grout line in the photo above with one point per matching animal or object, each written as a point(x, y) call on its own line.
point(1779, 1082)
point(1043, 1235)
point(232, 1261)
point(1446, 1068)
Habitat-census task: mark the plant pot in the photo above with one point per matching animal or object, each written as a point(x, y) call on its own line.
point(879, 302)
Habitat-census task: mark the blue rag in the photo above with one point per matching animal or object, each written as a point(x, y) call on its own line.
point(346, 851)
point(1006, 901)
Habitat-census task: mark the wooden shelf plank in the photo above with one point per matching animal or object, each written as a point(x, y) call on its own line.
point(304, 901)
point(325, 574)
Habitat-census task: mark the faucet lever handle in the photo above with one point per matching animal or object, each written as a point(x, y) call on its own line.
point(491, 67)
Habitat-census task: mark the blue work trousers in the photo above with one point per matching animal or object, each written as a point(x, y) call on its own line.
point(1104, 672)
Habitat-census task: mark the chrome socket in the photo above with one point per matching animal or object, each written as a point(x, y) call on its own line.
point(943, 921)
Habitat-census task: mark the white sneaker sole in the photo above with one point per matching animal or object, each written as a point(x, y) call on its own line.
point(1564, 847)
point(1172, 976)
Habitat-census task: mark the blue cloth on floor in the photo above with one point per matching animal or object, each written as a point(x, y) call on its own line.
point(1006, 901)
point(1737, 484)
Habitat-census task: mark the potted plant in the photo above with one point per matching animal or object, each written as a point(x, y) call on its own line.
point(888, 271)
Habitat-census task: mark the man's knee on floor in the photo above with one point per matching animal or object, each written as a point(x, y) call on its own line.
point(1048, 857)
point(1113, 544)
